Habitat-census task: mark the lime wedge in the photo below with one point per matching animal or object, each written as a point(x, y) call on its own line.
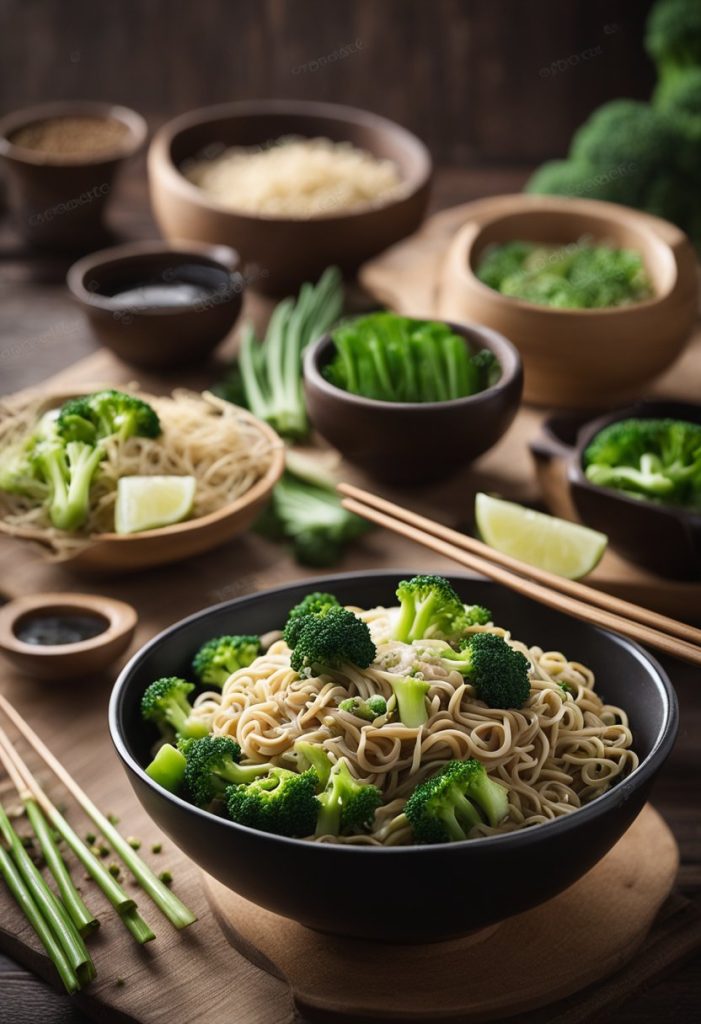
point(565, 548)
point(147, 502)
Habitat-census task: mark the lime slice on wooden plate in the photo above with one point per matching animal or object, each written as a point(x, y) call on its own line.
point(147, 502)
point(547, 542)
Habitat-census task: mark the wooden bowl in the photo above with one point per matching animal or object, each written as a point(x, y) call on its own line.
point(414, 442)
point(167, 336)
point(116, 553)
point(579, 358)
point(284, 252)
point(60, 661)
point(57, 201)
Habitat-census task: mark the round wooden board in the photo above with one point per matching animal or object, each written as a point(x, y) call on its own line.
point(530, 960)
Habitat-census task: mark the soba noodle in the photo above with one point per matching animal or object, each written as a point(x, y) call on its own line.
point(222, 446)
point(562, 749)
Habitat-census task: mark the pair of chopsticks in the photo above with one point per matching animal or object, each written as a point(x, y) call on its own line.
point(577, 599)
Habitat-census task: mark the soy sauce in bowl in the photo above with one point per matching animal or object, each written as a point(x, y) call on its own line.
point(52, 629)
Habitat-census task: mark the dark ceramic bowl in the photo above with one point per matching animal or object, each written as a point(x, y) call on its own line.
point(307, 881)
point(58, 202)
point(414, 442)
point(159, 336)
point(663, 538)
point(284, 252)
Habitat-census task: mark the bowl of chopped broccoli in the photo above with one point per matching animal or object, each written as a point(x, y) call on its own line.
point(257, 842)
point(637, 474)
point(599, 299)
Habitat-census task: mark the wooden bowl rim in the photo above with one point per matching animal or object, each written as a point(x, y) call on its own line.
point(138, 130)
point(121, 620)
point(159, 158)
point(467, 237)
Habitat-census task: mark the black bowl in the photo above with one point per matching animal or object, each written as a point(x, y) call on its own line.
point(321, 885)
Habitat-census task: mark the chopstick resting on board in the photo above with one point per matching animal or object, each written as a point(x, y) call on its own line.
point(647, 627)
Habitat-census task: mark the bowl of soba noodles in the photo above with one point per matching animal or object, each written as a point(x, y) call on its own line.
point(390, 755)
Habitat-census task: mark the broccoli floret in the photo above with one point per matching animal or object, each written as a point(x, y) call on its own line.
point(477, 615)
point(429, 607)
point(168, 767)
point(347, 805)
point(653, 458)
point(679, 99)
point(75, 421)
point(575, 178)
point(314, 756)
point(68, 470)
point(283, 802)
point(166, 703)
point(222, 655)
point(370, 709)
point(19, 472)
point(115, 412)
point(446, 807)
point(673, 35)
point(313, 604)
point(410, 693)
point(212, 764)
point(328, 641)
point(498, 673)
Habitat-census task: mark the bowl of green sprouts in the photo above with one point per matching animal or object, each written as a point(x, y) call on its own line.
point(599, 299)
point(411, 400)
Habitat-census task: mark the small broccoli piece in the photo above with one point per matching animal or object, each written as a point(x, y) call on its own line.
point(219, 657)
point(446, 807)
point(429, 607)
point(19, 472)
point(652, 458)
point(167, 768)
point(328, 641)
point(115, 412)
point(498, 673)
point(212, 764)
point(578, 179)
point(75, 421)
point(477, 615)
point(166, 703)
point(410, 694)
point(673, 35)
point(370, 709)
point(313, 604)
point(283, 802)
point(314, 756)
point(347, 805)
point(68, 470)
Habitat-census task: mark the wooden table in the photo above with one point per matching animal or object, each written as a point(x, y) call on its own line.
point(41, 333)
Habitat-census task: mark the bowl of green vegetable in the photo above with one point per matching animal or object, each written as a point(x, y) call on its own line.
point(599, 299)
point(411, 400)
point(636, 474)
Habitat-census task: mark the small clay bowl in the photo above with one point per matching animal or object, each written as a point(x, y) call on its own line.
point(115, 620)
point(159, 336)
point(663, 538)
point(414, 442)
point(284, 252)
point(59, 201)
point(578, 358)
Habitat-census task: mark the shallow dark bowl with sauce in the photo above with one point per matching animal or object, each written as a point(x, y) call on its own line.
point(663, 538)
point(488, 882)
point(158, 305)
point(415, 442)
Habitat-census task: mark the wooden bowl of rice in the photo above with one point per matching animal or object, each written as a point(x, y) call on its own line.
point(293, 186)
point(236, 458)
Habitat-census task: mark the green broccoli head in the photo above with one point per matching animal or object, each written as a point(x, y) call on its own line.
point(75, 421)
point(283, 802)
point(578, 179)
point(498, 673)
point(477, 615)
point(679, 99)
point(212, 764)
point(673, 35)
point(328, 641)
point(370, 709)
point(316, 603)
point(219, 657)
point(446, 807)
point(117, 413)
point(347, 805)
point(166, 703)
point(19, 472)
point(429, 608)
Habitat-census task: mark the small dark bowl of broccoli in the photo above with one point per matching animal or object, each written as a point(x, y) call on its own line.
point(321, 884)
point(636, 475)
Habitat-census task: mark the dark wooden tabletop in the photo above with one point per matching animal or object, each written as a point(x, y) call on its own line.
point(42, 332)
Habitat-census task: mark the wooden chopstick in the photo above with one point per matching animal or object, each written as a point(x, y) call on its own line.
point(522, 584)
